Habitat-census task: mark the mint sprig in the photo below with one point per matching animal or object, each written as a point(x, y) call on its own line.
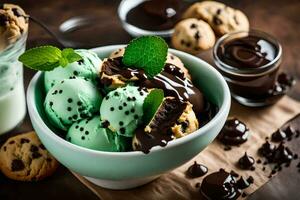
point(46, 58)
point(151, 104)
point(148, 53)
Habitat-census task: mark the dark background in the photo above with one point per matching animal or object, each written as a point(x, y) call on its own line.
point(279, 18)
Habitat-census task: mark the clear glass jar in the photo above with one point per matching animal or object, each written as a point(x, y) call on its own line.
point(250, 86)
point(12, 95)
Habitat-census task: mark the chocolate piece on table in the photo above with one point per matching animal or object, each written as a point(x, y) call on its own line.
point(196, 170)
point(234, 132)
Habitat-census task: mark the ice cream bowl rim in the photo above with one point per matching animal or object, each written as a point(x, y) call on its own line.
point(222, 112)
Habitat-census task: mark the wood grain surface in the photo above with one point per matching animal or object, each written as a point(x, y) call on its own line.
point(279, 18)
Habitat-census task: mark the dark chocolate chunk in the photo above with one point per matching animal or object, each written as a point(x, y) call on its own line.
point(196, 170)
point(217, 21)
point(24, 140)
point(234, 132)
point(246, 162)
point(17, 165)
point(36, 155)
point(220, 185)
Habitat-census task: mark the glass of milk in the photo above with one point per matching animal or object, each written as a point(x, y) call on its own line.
point(12, 95)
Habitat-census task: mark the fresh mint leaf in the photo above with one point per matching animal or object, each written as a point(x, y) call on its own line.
point(71, 55)
point(152, 103)
point(46, 58)
point(148, 53)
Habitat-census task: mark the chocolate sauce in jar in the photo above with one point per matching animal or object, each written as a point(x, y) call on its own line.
point(247, 52)
point(234, 132)
point(156, 15)
point(250, 61)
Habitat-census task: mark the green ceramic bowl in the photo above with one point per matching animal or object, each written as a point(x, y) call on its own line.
point(124, 170)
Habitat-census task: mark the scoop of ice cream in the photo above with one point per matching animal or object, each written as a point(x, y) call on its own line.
point(13, 23)
point(171, 59)
point(87, 68)
point(173, 119)
point(90, 134)
point(71, 100)
point(122, 109)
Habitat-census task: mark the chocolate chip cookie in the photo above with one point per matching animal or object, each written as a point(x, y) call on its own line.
point(223, 19)
point(25, 158)
point(193, 36)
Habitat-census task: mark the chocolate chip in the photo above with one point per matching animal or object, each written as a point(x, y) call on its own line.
point(120, 107)
point(132, 110)
point(60, 91)
point(112, 109)
point(75, 116)
point(17, 12)
point(124, 104)
point(11, 142)
point(136, 116)
point(81, 129)
point(127, 112)
point(75, 73)
point(193, 26)
point(76, 127)
point(3, 20)
point(105, 124)
point(80, 62)
point(116, 94)
point(36, 155)
point(219, 11)
point(70, 100)
point(17, 165)
point(86, 132)
point(51, 103)
point(182, 42)
point(24, 140)
point(82, 137)
point(197, 36)
point(79, 103)
point(188, 44)
point(34, 148)
point(122, 131)
point(133, 98)
point(69, 109)
point(42, 147)
point(121, 123)
point(217, 21)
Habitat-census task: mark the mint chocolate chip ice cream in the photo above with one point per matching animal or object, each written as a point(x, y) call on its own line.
point(91, 134)
point(70, 101)
point(87, 68)
point(122, 109)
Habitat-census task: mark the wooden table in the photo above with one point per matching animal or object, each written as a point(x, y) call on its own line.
point(279, 18)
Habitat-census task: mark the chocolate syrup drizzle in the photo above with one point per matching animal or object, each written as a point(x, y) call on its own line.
point(171, 80)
